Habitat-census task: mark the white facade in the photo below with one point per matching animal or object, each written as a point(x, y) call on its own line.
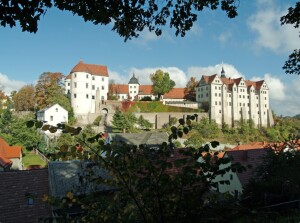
point(87, 86)
point(52, 115)
point(231, 100)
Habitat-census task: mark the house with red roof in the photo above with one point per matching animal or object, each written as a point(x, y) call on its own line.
point(10, 156)
point(87, 87)
point(231, 100)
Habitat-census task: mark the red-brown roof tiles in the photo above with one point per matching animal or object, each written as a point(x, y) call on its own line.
point(145, 90)
point(175, 93)
point(119, 89)
point(93, 69)
point(8, 152)
point(68, 76)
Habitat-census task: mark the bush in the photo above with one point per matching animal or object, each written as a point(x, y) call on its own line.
point(97, 120)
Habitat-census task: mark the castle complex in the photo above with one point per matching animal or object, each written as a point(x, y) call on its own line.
point(228, 100)
point(231, 100)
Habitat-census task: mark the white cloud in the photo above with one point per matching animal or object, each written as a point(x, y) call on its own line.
point(8, 85)
point(276, 87)
point(224, 37)
point(270, 34)
point(230, 71)
point(145, 37)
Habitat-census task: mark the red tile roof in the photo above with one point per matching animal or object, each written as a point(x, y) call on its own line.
point(93, 69)
point(68, 76)
point(119, 88)
point(8, 152)
point(175, 93)
point(145, 90)
point(230, 81)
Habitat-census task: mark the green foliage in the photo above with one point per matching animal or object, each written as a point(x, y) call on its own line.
point(158, 106)
point(124, 121)
point(153, 185)
point(277, 178)
point(147, 98)
point(97, 120)
point(144, 123)
point(15, 132)
point(161, 83)
point(195, 140)
point(207, 129)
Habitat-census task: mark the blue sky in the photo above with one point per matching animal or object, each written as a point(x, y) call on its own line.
point(253, 45)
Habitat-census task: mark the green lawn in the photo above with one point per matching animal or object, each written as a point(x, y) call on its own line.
point(30, 158)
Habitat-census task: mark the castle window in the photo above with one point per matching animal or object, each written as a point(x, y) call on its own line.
point(206, 94)
point(87, 76)
point(134, 92)
point(219, 94)
point(216, 103)
point(51, 118)
point(256, 105)
point(258, 112)
point(68, 84)
point(220, 111)
point(56, 109)
point(102, 97)
point(234, 89)
point(240, 96)
point(248, 104)
point(134, 86)
point(198, 95)
point(75, 75)
point(201, 95)
point(93, 78)
point(102, 78)
point(216, 87)
point(229, 103)
point(102, 87)
point(243, 104)
point(206, 88)
point(220, 103)
point(240, 104)
point(265, 106)
point(87, 85)
point(219, 88)
point(216, 94)
point(265, 98)
point(130, 91)
point(130, 87)
point(75, 85)
point(93, 87)
point(75, 95)
point(243, 96)
point(87, 96)
point(248, 96)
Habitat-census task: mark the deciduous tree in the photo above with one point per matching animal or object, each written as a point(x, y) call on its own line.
point(161, 83)
point(23, 100)
point(190, 89)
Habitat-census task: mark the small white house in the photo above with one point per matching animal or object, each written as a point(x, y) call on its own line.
point(53, 114)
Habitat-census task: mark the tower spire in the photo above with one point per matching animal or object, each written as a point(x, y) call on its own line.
point(223, 71)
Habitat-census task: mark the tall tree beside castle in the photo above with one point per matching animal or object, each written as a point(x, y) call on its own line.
point(162, 83)
point(24, 99)
point(190, 89)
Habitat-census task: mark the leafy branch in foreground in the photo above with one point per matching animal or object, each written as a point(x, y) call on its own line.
point(162, 184)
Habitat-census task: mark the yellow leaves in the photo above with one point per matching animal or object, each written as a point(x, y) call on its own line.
point(70, 195)
point(45, 198)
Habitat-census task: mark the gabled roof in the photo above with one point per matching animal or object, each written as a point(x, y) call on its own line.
point(175, 93)
point(119, 88)
point(50, 106)
point(68, 76)
point(145, 90)
point(98, 70)
point(231, 81)
point(8, 152)
point(208, 79)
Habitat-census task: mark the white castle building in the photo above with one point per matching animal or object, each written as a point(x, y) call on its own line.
point(230, 100)
point(87, 86)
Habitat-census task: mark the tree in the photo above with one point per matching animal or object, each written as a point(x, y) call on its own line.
point(161, 83)
point(49, 90)
point(144, 123)
point(123, 120)
point(292, 65)
point(23, 100)
point(277, 179)
point(3, 97)
point(129, 17)
point(190, 89)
